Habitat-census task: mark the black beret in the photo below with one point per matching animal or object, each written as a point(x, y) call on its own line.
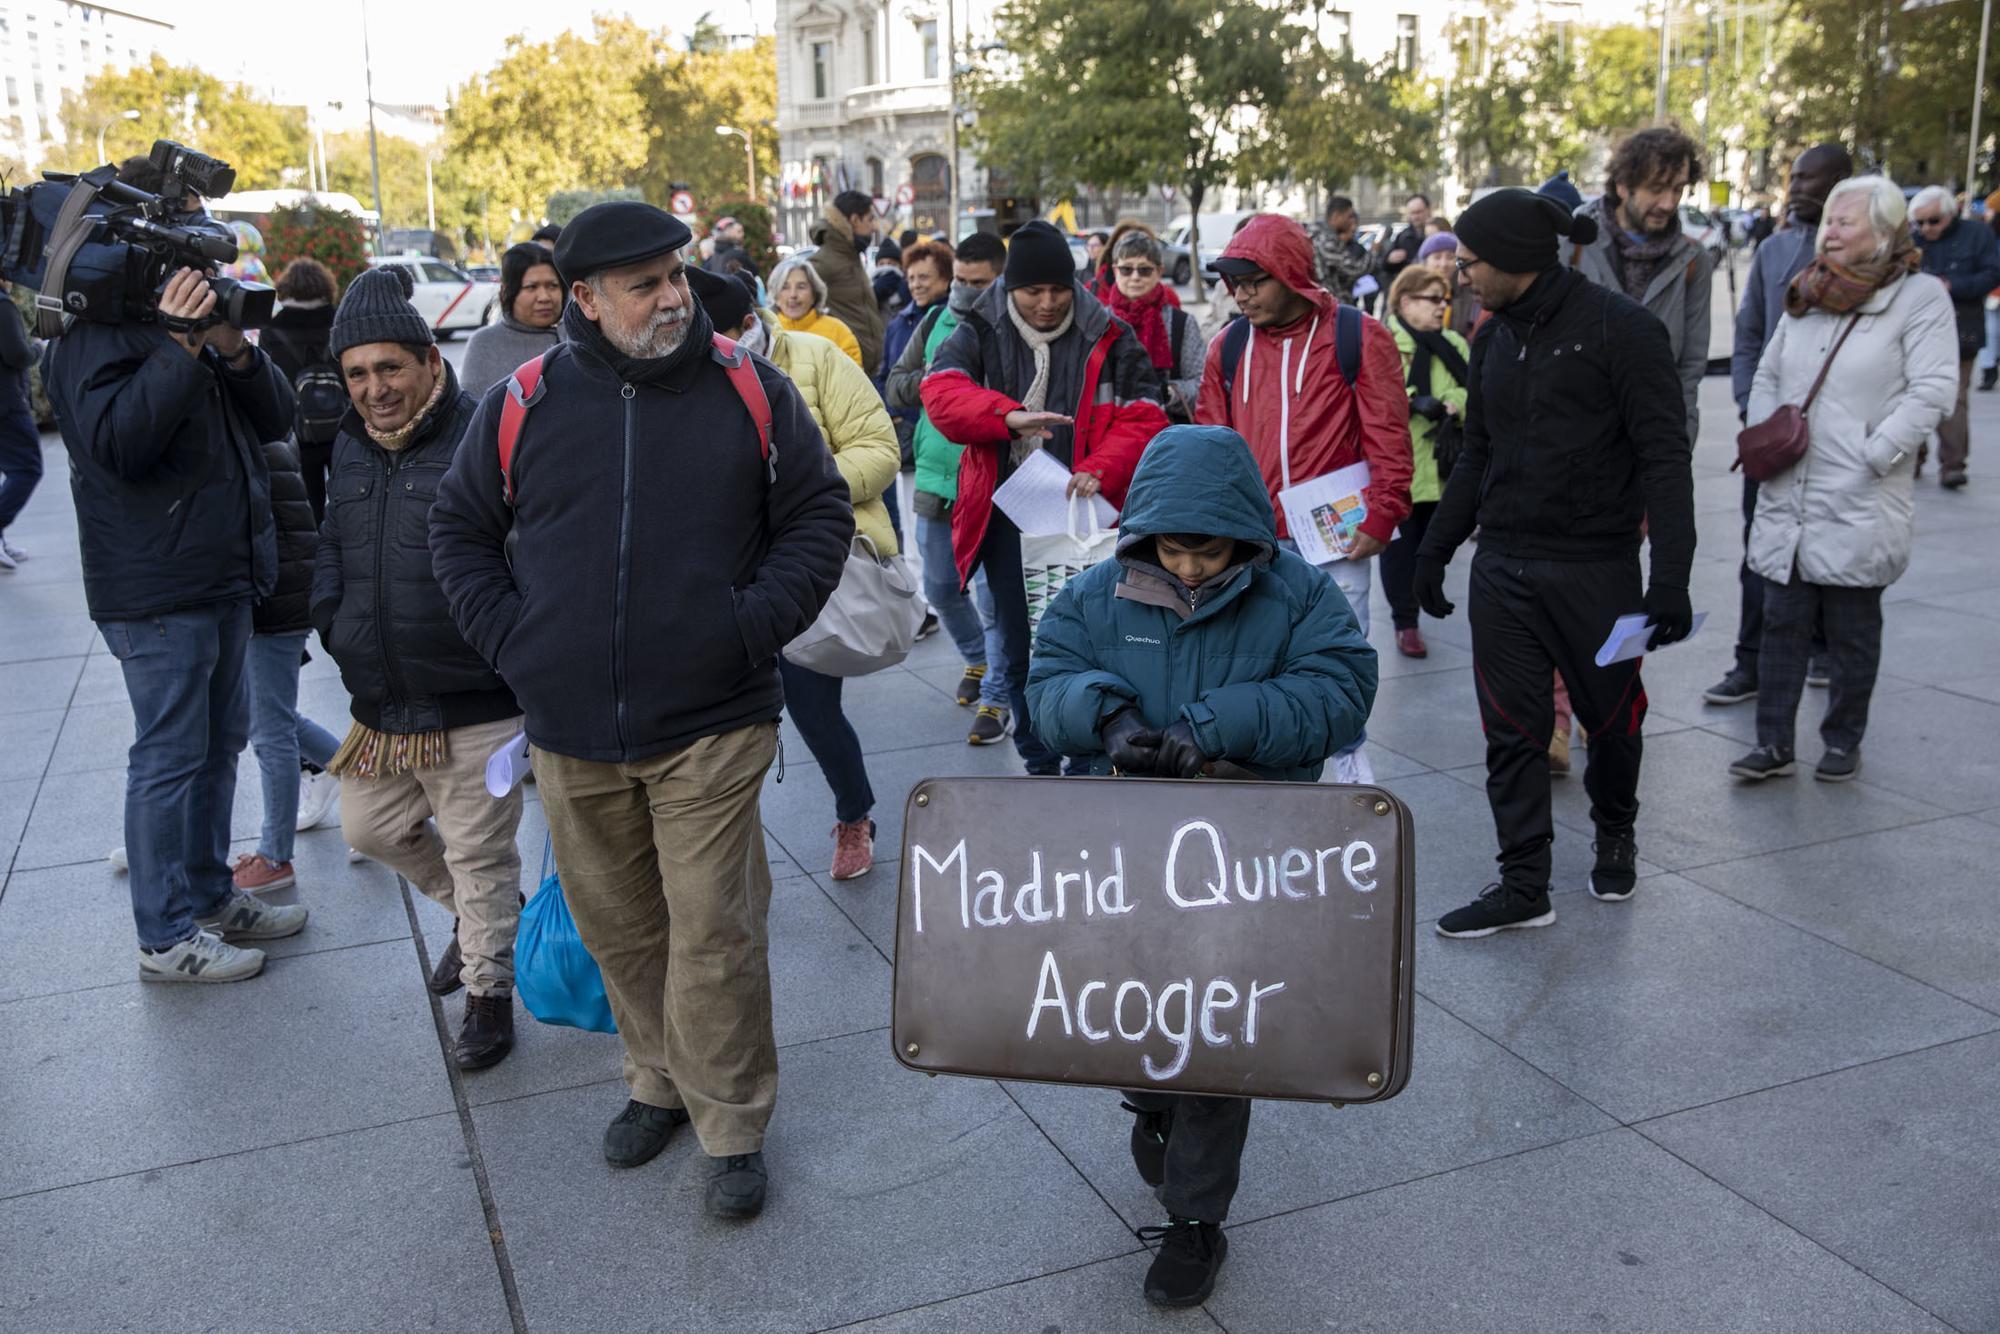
point(623, 231)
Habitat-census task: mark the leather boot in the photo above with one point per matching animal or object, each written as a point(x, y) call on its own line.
point(444, 977)
point(488, 1032)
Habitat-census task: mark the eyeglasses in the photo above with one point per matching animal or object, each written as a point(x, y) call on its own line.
point(1465, 266)
point(1136, 270)
point(1931, 222)
point(1249, 285)
point(1433, 299)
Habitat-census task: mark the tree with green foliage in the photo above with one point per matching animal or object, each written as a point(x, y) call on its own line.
point(1343, 119)
point(687, 94)
point(404, 203)
point(264, 142)
point(564, 205)
point(1114, 95)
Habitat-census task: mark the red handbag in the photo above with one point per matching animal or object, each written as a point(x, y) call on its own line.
point(1780, 440)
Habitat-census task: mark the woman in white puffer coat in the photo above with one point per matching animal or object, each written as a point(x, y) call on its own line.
point(1834, 530)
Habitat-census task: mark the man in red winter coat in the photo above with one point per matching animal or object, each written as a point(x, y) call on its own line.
point(1281, 378)
point(1037, 363)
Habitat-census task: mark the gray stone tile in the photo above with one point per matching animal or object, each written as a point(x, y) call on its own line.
point(1919, 899)
point(15, 800)
point(1692, 813)
point(1932, 645)
point(391, 1238)
point(35, 686)
point(1680, 997)
point(1905, 1187)
point(101, 682)
point(26, 742)
point(351, 905)
point(888, 1190)
point(45, 598)
point(1942, 566)
point(1103, 1298)
point(890, 710)
point(868, 901)
point(1607, 1232)
point(67, 635)
point(80, 817)
point(1443, 655)
point(1943, 750)
point(138, 1076)
point(1433, 719)
point(1979, 602)
point(1468, 1101)
point(95, 736)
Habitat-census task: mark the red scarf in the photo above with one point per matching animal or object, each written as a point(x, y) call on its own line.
point(1148, 320)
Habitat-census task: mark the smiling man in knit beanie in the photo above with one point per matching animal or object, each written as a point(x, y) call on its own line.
point(428, 710)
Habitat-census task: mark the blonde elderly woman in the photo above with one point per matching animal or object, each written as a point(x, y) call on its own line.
point(1832, 531)
point(799, 294)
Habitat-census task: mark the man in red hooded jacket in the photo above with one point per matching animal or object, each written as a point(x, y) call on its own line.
point(1279, 382)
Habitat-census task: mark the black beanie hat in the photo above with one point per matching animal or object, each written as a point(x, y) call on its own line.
point(726, 300)
point(888, 251)
point(1038, 254)
point(1515, 230)
point(377, 309)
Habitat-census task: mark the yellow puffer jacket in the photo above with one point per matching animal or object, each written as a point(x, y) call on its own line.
point(851, 417)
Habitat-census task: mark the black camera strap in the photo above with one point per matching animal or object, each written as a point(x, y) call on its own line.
point(69, 233)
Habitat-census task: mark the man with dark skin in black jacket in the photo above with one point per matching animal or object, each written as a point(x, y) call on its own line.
point(1575, 439)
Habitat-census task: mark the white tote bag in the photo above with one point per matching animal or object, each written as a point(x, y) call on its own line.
point(871, 621)
point(1047, 563)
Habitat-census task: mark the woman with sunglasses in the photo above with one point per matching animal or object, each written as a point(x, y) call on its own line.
point(1434, 371)
point(1173, 339)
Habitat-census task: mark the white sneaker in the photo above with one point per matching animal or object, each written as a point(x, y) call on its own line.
point(7, 562)
point(318, 794)
point(246, 917)
point(1353, 768)
point(117, 859)
point(11, 551)
point(202, 957)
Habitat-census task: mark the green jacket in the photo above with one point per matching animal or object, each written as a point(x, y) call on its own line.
point(1265, 660)
point(1424, 485)
point(937, 457)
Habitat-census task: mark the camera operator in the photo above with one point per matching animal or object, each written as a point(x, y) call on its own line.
point(164, 430)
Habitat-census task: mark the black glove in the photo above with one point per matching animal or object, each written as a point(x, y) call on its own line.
point(1428, 406)
point(1180, 754)
point(1671, 615)
point(1428, 584)
point(1132, 746)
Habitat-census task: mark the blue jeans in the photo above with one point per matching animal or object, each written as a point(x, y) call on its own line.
point(893, 503)
point(1989, 355)
point(20, 462)
point(281, 736)
point(1000, 558)
point(190, 714)
point(813, 700)
point(968, 619)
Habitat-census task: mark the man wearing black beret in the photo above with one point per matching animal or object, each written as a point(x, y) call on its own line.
point(1576, 441)
point(633, 574)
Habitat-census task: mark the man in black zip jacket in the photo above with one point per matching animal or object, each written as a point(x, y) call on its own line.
point(428, 710)
point(1575, 441)
point(633, 574)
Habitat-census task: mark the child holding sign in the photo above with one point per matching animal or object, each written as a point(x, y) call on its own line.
point(1202, 642)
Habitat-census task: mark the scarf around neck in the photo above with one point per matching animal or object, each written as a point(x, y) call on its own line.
point(583, 331)
point(400, 438)
point(1432, 346)
point(1148, 318)
point(1640, 259)
point(1828, 285)
point(1036, 398)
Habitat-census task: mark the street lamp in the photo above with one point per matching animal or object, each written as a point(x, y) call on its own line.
point(749, 154)
point(128, 114)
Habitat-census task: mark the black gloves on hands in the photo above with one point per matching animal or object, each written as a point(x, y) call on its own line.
point(1428, 406)
point(1670, 613)
point(1180, 755)
point(1133, 747)
point(1428, 584)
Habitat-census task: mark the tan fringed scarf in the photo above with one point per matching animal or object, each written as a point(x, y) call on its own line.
point(368, 753)
point(402, 435)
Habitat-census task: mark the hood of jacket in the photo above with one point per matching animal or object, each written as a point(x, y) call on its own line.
point(832, 225)
point(1281, 248)
point(1198, 479)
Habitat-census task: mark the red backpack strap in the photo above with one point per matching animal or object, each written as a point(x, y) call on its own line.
point(524, 390)
point(743, 379)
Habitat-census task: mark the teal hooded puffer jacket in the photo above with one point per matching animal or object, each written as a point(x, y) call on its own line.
point(1269, 666)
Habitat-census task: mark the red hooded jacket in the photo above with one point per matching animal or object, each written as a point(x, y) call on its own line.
point(1291, 402)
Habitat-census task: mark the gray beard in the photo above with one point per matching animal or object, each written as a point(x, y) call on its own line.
point(656, 340)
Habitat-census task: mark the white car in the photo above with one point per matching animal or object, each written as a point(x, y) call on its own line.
point(448, 298)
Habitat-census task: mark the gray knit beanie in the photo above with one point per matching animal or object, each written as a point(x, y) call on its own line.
point(377, 309)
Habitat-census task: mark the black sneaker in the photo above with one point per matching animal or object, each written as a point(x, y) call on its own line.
point(487, 1034)
point(970, 685)
point(736, 1187)
point(1818, 675)
point(1183, 1273)
point(928, 628)
point(1497, 908)
point(1734, 688)
point(640, 1132)
point(1838, 766)
point(1615, 874)
point(1149, 1141)
point(1764, 762)
point(988, 726)
point(445, 977)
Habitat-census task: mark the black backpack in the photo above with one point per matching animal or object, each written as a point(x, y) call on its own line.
point(319, 389)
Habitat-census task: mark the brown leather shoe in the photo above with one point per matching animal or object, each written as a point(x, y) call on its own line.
point(445, 977)
point(487, 1034)
point(1410, 643)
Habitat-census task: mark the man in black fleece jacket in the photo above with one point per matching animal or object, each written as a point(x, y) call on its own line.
point(1575, 442)
point(633, 576)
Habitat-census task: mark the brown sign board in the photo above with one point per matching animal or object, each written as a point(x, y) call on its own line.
point(1253, 939)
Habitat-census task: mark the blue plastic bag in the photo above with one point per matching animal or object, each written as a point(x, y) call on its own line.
point(555, 975)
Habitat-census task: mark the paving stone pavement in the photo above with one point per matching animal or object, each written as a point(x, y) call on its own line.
point(1759, 1096)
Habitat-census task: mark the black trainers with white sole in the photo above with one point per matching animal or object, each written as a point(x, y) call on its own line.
point(1733, 688)
point(1838, 766)
point(1616, 873)
point(1497, 909)
point(1764, 762)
